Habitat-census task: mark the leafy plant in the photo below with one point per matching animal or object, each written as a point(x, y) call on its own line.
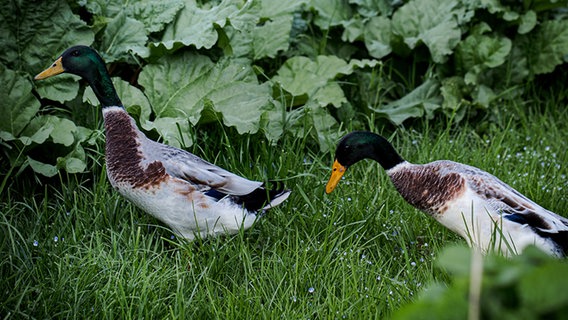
point(528, 286)
point(303, 67)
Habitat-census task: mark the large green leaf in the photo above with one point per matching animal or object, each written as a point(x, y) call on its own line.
point(65, 137)
point(154, 14)
point(527, 22)
point(271, 37)
point(18, 105)
point(196, 26)
point(183, 85)
point(316, 79)
point(37, 131)
point(422, 101)
point(377, 34)
point(61, 88)
point(479, 52)
point(483, 50)
point(61, 130)
point(315, 83)
point(262, 28)
point(272, 33)
point(168, 84)
point(330, 13)
point(373, 8)
point(33, 34)
point(434, 23)
point(73, 162)
point(301, 75)
point(528, 286)
point(45, 169)
point(353, 29)
point(516, 68)
point(545, 288)
point(547, 46)
point(122, 37)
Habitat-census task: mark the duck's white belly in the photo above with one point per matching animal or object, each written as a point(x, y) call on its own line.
point(188, 212)
point(483, 227)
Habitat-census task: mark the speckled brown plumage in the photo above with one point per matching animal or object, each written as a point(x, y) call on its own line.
point(124, 161)
point(427, 188)
point(494, 193)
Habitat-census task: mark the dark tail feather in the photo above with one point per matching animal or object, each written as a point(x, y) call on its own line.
point(560, 238)
point(263, 198)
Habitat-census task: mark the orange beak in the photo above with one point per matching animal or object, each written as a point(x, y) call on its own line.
point(336, 173)
point(55, 69)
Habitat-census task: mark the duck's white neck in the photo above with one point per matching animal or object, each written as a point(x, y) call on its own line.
point(401, 166)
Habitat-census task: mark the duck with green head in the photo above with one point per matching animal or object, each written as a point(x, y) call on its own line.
point(485, 211)
point(189, 194)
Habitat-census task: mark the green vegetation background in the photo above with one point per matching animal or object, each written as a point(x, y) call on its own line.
point(265, 89)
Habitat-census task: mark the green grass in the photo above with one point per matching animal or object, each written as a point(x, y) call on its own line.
point(73, 248)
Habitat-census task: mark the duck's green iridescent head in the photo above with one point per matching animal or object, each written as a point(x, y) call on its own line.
point(359, 145)
point(88, 64)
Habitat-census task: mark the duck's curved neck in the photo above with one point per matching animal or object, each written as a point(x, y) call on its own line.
point(384, 153)
point(102, 86)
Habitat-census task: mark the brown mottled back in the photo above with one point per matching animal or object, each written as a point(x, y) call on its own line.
point(427, 188)
point(124, 160)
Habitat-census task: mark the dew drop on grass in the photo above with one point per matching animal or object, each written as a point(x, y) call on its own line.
point(311, 290)
point(36, 243)
point(55, 239)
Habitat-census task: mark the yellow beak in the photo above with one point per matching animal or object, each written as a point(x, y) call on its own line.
point(336, 173)
point(55, 69)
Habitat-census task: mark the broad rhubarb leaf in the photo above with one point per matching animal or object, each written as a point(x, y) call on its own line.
point(183, 85)
point(196, 26)
point(434, 23)
point(422, 101)
point(18, 105)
